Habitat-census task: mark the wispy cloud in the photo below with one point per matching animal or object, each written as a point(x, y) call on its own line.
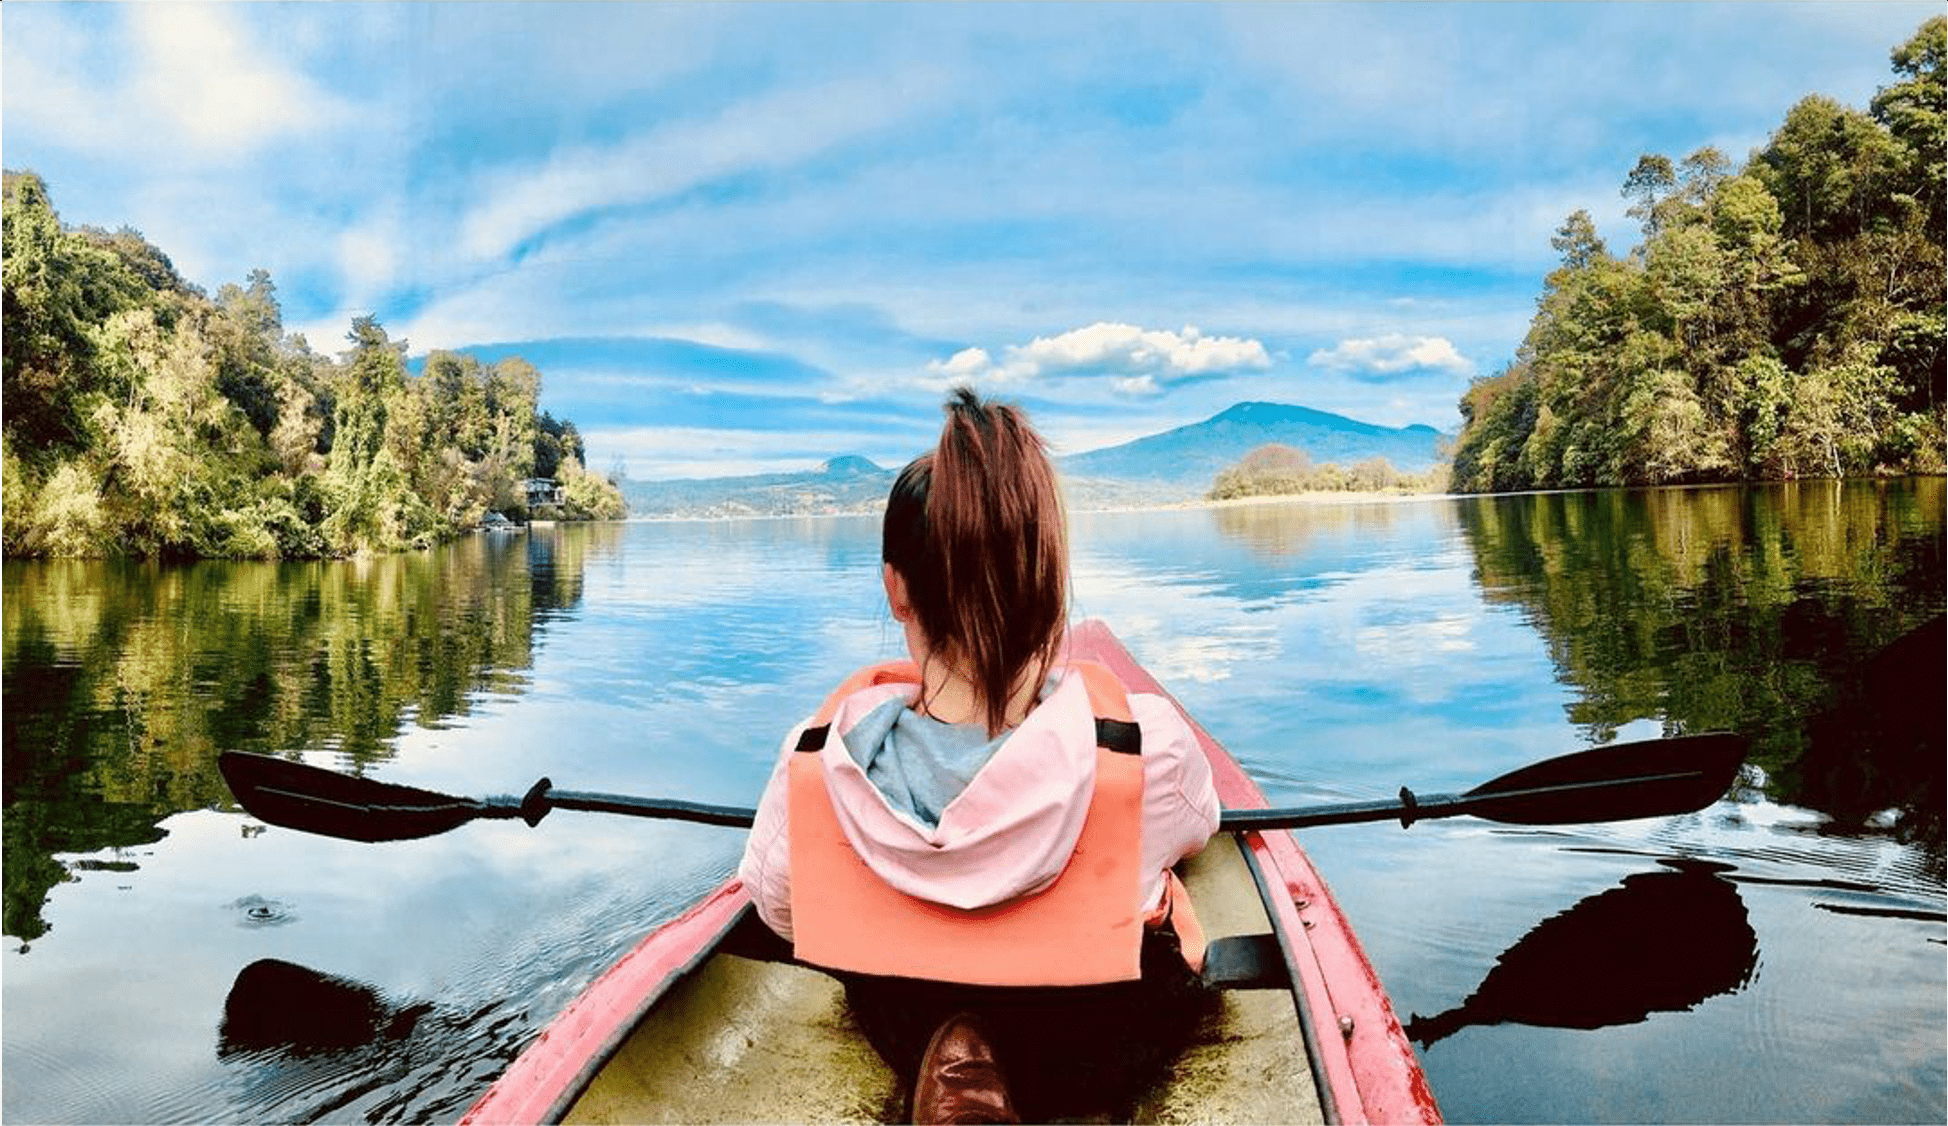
point(763, 133)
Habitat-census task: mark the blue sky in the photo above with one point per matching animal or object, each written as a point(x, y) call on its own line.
point(739, 238)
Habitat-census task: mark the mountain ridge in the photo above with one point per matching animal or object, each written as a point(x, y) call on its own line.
point(1171, 465)
point(1198, 451)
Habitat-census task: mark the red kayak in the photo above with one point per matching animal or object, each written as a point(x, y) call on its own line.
point(708, 1020)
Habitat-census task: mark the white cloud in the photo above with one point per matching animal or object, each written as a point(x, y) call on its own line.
point(523, 303)
point(1142, 360)
point(1391, 355)
point(221, 91)
point(195, 81)
point(967, 363)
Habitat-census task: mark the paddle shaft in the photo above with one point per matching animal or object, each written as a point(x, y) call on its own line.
point(733, 816)
point(1410, 807)
point(1407, 808)
point(1653, 778)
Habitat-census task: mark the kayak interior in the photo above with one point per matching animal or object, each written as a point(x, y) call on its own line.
point(760, 1039)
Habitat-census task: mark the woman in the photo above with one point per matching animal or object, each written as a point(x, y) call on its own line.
point(985, 832)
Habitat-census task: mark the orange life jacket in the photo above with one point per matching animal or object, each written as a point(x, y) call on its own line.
point(1084, 928)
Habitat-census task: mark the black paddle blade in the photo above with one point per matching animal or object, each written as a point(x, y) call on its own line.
point(313, 800)
point(1653, 778)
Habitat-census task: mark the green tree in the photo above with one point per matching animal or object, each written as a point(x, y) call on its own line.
point(1649, 184)
point(245, 329)
point(373, 508)
point(1915, 112)
point(1498, 414)
point(555, 441)
point(1701, 174)
point(56, 287)
point(589, 496)
point(1578, 243)
point(1830, 167)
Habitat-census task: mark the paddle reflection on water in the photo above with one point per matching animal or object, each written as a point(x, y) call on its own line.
point(312, 1046)
point(278, 1006)
point(1617, 957)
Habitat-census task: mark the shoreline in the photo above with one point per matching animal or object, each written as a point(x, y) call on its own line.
point(1312, 498)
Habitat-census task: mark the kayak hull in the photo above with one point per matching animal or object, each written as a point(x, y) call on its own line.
point(703, 1021)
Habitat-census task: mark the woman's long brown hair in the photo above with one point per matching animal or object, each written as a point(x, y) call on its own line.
point(976, 530)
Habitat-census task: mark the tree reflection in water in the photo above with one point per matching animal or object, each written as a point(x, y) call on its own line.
point(1765, 610)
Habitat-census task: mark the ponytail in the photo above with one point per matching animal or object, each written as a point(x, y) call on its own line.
point(976, 530)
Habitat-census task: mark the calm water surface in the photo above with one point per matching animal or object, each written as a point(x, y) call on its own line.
point(1777, 957)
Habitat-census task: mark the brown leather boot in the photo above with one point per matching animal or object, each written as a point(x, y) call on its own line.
point(959, 1079)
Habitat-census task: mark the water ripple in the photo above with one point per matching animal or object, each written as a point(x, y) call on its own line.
point(257, 911)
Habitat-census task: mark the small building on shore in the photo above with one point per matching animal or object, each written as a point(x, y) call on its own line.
point(541, 491)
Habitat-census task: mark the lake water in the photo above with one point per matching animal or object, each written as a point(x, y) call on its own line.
point(1777, 957)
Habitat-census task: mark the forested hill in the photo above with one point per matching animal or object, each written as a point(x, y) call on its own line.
point(1782, 319)
point(142, 417)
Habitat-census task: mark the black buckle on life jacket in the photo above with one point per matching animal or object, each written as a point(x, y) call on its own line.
point(1118, 736)
point(813, 739)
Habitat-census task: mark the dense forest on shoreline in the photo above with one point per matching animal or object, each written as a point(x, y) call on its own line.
point(1782, 321)
point(143, 417)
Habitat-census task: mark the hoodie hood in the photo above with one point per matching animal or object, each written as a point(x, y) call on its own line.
point(1010, 828)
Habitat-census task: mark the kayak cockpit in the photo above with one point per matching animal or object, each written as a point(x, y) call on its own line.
point(753, 1039)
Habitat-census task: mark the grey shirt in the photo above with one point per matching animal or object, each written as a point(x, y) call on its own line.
point(920, 764)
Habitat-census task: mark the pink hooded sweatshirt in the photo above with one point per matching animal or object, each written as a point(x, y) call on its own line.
point(1011, 829)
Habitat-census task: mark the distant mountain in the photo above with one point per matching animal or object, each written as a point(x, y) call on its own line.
point(843, 484)
point(1189, 457)
point(1175, 465)
point(851, 465)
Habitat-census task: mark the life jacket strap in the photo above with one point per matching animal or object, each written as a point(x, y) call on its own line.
point(1111, 735)
point(1174, 910)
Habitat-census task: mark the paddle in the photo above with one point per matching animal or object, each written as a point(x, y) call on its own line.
point(1654, 778)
